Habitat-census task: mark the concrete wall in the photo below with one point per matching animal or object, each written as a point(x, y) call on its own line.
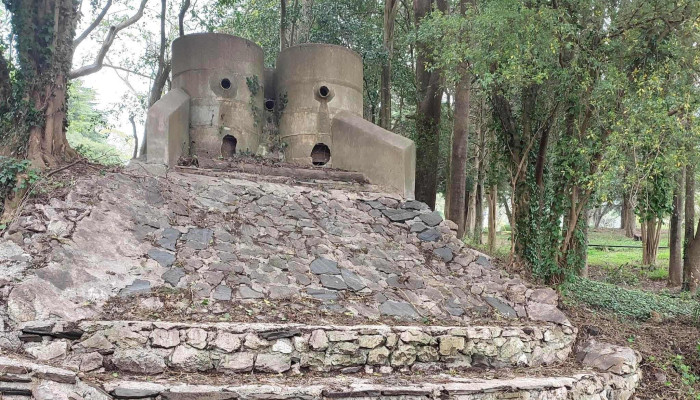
point(301, 72)
point(167, 128)
point(201, 63)
point(386, 159)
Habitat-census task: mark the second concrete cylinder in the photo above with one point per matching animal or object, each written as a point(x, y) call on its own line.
point(318, 81)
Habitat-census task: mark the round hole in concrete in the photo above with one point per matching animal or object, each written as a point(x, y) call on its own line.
point(228, 146)
point(324, 92)
point(320, 154)
point(226, 83)
point(269, 104)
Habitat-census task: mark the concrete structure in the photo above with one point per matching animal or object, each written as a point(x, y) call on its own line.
point(218, 71)
point(313, 100)
point(168, 128)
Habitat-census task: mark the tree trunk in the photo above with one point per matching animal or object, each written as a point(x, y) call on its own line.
point(479, 212)
point(630, 218)
point(47, 72)
point(493, 212)
point(283, 25)
point(675, 263)
point(428, 111)
point(456, 196)
point(689, 263)
point(694, 264)
point(136, 137)
point(651, 233)
point(391, 7)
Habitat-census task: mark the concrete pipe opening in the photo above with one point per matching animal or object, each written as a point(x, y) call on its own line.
point(226, 83)
point(324, 92)
point(228, 146)
point(269, 104)
point(320, 154)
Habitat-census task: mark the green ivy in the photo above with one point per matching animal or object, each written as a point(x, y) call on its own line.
point(253, 83)
point(10, 169)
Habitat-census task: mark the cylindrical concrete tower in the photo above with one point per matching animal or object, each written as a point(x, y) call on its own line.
point(317, 81)
point(224, 77)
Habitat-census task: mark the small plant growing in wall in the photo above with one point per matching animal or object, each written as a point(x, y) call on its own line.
point(254, 87)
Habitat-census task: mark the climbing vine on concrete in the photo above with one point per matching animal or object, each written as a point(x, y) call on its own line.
point(253, 83)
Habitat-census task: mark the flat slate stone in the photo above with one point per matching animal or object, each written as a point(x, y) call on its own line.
point(398, 309)
point(247, 293)
point(139, 286)
point(173, 276)
point(198, 239)
point(169, 239)
point(503, 308)
point(483, 261)
point(353, 280)
point(324, 266)
point(418, 227)
point(376, 205)
point(445, 253)
point(399, 215)
point(164, 258)
point(222, 292)
point(333, 282)
point(415, 205)
point(131, 393)
point(322, 294)
point(431, 219)
point(430, 235)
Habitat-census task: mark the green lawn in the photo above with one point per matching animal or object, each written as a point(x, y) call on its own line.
point(613, 265)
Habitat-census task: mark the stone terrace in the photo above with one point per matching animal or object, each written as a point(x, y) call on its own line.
point(154, 273)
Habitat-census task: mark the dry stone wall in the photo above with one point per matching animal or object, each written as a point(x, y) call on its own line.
point(152, 348)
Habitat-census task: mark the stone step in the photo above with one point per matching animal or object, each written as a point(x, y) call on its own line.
point(151, 348)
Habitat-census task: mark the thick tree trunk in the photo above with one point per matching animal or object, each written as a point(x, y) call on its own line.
point(391, 7)
point(493, 212)
point(630, 218)
point(651, 233)
point(456, 196)
point(689, 264)
point(47, 144)
point(283, 25)
point(428, 111)
point(675, 263)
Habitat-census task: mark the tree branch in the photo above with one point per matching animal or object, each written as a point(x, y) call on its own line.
point(93, 25)
point(126, 70)
point(109, 39)
point(181, 16)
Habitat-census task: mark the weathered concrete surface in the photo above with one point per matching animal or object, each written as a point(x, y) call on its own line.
point(301, 73)
point(167, 128)
point(215, 70)
point(386, 159)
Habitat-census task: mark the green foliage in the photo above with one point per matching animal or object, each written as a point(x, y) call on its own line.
point(629, 303)
point(253, 84)
point(10, 170)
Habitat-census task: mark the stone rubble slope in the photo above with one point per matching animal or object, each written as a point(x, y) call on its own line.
point(346, 252)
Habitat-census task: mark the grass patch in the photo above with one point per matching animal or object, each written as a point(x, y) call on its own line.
point(632, 303)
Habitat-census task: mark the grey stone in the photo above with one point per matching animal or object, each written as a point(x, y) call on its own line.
point(375, 204)
point(445, 253)
point(333, 282)
point(429, 235)
point(134, 393)
point(173, 276)
point(547, 313)
point(227, 342)
point(165, 338)
point(189, 359)
point(198, 239)
point(237, 362)
point(275, 363)
point(247, 293)
point(139, 286)
point(400, 215)
point(415, 205)
point(503, 308)
point(322, 294)
point(483, 261)
point(318, 340)
point(138, 361)
point(398, 309)
point(431, 219)
point(353, 280)
point(324, 266)
point(404, 355)
point(418, 227)
point(48, 351)
point(169, 239)
point(222, 292)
